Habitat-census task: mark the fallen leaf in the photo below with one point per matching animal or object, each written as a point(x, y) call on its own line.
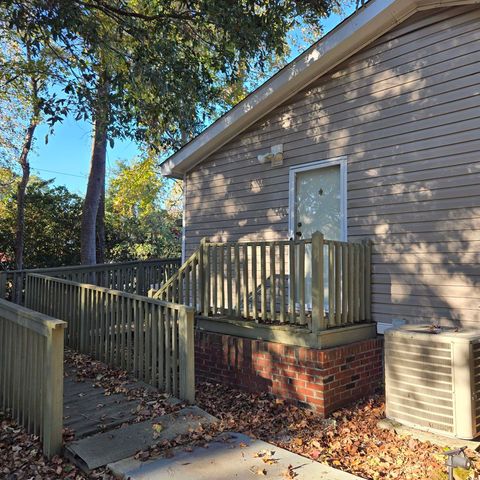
point(289, 473)
point(157, 427)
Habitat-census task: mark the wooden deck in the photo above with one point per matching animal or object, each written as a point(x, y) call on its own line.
point(273, 283)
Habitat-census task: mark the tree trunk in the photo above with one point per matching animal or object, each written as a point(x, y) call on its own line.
point(21, 192)
point(101, 228)
point(96, 177)
point(25, 165)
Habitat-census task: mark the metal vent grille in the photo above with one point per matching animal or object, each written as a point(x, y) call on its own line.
point(419, 383)
point(476, 384)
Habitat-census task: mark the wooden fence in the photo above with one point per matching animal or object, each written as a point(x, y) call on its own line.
point(151, 339)
point(317, 283)
point(31, 372)
point(134, 277)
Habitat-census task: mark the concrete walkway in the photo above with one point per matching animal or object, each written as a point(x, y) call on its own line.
point(232, 456)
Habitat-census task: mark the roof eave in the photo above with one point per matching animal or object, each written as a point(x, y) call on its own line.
point(367, 24)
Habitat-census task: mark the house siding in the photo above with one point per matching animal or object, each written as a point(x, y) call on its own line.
point(405, 113)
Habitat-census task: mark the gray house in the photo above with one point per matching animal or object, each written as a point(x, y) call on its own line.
point(372, 133)
point(339, 196)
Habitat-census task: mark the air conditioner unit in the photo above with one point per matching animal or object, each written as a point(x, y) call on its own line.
point(432, 379)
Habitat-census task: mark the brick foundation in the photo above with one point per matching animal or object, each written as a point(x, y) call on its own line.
point(323, 379)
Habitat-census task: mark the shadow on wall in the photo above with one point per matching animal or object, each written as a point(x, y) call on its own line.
point(405, 114)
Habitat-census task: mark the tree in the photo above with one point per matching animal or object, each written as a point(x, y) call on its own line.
point(19, 97)
point(25, 76)
point(52, 223)
point(142, 213)
point(155, 71)
point(142, 220)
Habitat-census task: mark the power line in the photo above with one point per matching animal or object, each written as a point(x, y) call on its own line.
point(60, 173)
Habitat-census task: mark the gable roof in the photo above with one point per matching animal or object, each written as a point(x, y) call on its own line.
point(361, 28)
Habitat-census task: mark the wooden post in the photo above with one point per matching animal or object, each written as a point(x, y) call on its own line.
point(301, 280)
point(53, 415)
point(229, 280)
point(186, 354)
point(238, 279)
point(245, 281)
point(140, 284)
point(202, 280)
point(281, 246)
point(318, 314)
point(331, 282)
point(273, 298)
point(368, 279)
point(83, 320)
point(338, 285)
point(351, 283)
point(293, 284)
point(28, 291)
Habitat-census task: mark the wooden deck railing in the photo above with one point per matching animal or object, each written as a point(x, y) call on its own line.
point(134, 277)
point(151, 339)
point(31, 372)
point(184, 286)
point(316, 283)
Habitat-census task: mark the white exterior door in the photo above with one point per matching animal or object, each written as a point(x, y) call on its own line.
point(318, 203)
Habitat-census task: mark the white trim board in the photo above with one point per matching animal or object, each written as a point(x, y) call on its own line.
point(382, 327)
point(184, 218)
point(292, 185)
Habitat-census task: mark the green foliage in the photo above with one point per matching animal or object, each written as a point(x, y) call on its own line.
point(28, 70)
point(155, 236)
point(143, 215)
point(143, 218)
point(156, 71)
point(52, 224)
point(167, 62)
point(15, 102)
point(8, 184)
point(135, 189)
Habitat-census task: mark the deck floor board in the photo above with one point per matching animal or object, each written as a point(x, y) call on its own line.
point(88, 410)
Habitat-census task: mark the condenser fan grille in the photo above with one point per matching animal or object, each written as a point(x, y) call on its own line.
point(419, 383)
point(476, 380)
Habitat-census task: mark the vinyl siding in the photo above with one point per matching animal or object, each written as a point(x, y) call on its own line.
point(406, 114)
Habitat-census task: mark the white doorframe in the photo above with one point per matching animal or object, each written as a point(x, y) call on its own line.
point(342, 161)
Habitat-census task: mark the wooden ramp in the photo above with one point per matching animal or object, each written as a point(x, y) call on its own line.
point(108, 419)
point(122, 443)
point(87, 410)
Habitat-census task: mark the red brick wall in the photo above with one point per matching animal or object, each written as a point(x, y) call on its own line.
point(323, 379)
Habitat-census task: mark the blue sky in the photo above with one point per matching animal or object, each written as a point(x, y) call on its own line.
point(66, 157)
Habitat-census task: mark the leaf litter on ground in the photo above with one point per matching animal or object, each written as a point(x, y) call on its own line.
point(21, 458)
point(349, 440)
